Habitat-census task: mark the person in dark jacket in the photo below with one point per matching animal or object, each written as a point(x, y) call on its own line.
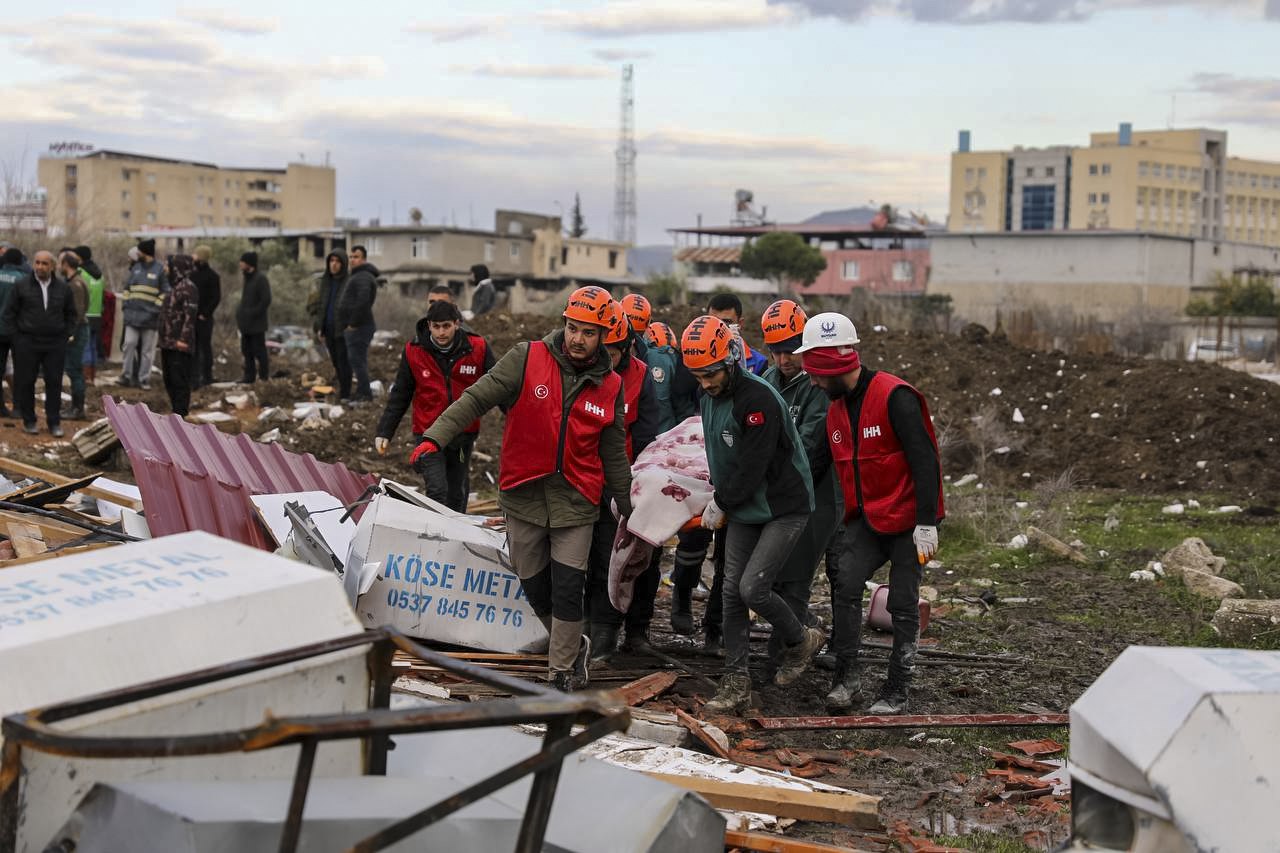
point(763, 494)
point(355, 317)
point(178, 332)
point(70, 268)
point(11, 272)
point(42, 314)
point(143, 293)
point(324, 318)
point(485, 295)
point(208, 286)
point(251, 319)
point(441, 362)
point(93, 279)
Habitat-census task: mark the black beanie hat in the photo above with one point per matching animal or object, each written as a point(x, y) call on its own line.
point(12, 256)
point(250, 258)
point(147, 247)
point(84, 253)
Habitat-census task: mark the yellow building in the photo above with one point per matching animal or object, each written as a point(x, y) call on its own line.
point(1178, 182)
point(114, 191)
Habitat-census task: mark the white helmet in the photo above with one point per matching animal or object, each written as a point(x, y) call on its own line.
point(828, 329)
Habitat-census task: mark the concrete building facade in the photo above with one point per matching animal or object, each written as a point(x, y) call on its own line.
point(1175, 182)
point(113, 191)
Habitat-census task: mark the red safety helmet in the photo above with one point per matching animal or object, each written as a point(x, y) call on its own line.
point(660, 335)
point(590, 305)
point(637, 310)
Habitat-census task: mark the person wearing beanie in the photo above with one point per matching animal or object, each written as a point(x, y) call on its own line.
point(178, 333)
point(143, 294)
point(880, 441)
point(209, 287)
point(251, 319)
point(441, 362)
point(91, 275)
point(484, 295)
point(72, 272)
point(11, 272)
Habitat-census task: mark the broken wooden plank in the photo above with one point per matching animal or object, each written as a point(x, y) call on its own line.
point(763, 842)
point(696, 729)
point(13, 466)
point(649, 687)
point(908, 721)
point(27, 546)
point(65, 551)
point(848, 808)
point(56, 493)
point(1036, 536)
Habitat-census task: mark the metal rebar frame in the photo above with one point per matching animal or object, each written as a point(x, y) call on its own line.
point(600, 714)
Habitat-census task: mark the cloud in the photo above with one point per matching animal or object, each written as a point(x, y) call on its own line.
point(616, 55)
point(227, 22)
point(461, 30)
point(1000, 11)
point(534, 72)
point(1240, 100)
point(624, 19)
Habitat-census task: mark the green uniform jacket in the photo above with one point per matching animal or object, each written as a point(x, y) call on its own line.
point(758, 464)
point(808, 406)
point(550, 501)
point(662, 370)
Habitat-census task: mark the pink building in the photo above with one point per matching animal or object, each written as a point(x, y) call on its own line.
point(884, 260)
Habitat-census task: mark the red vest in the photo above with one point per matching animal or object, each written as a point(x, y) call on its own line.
point(433, 390)
point(632, 381)
point(540, 440)
point(879, 485)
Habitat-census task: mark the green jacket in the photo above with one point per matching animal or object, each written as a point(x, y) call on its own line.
point(550, 501)
point(757, 460)
point(662, 370)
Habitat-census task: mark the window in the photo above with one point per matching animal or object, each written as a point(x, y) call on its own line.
point(372, 244)
point(982, 172)
point(151, 198)
point(151, 177)
point(419, 248)
point(1142, 168)
point(1093, 168)
point(1106, 198)
point(151, 216)
point(1182, 173)
point(1048, 171)
point(71, 172)
point(488, 251)
point(226, 202)
point(515, 251)
point(1031, 171)
point(1093, 198)
point(564, 255)
point(849, 271)
point(124, 214)
point(1253, 180)
point(210, 200)
point(968, 175)
point(1106, 168)
point(903, 271)
point(228, 183)
point(1168, 171)
point(613, 259)
point(1037, 207)
point(124, 196)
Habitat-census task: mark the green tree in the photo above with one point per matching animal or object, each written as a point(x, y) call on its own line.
point(1237, 296)
point(783, 258)
point(577, 225)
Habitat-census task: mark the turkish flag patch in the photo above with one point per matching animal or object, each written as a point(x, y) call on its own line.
point(755, 419)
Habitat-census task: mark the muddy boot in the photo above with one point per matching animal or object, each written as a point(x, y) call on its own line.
point(682, 611)
point(733, 695)
point(891, 700)
point(580, 676)
point(76, 410)
point(713, 645)
point(637, 643)
point(562, 680)
point(844, 689)
point(604, 641)
point(796, 658)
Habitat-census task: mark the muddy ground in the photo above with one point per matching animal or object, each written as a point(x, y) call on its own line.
point(1100, 435)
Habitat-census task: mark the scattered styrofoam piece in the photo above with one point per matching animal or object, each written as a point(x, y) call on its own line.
point(965, 480)
point(1174, 509)
point(1018, 542)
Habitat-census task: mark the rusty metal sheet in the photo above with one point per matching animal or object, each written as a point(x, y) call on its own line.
point(908, 721)
point(193, 477)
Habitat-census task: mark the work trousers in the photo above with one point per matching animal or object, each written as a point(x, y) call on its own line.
point(358, 340)
point(29, 361)
point(600, 609)
point(864, 552)
point(256, 362)
point(337, 348)
point(447, 474)
point(754, 554)
point(691, 551)
point(74, 363)
point(176, 366)
point(202, 359)
point(139, 354)
point(551, 563)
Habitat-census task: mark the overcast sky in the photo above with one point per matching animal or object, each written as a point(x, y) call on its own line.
point(813, 104)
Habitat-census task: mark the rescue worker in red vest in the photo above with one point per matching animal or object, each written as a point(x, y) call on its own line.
point(763, 495)
point(441, 362)
point(564, 444)
point(885, 453)
point(642, 423)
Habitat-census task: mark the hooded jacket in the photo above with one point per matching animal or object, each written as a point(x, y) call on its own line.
point(209, 287)
point(255, 300)
point(327, 295)
point(355, 304)
point(178, 313)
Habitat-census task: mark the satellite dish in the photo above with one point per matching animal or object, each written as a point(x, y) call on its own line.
point(415, 216)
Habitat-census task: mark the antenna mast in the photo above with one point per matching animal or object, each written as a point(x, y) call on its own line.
point(624, 186)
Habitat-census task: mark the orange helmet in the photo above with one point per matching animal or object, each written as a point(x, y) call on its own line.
point(638, 311)
point(660, 335)
point(618, 331)
point(590, 305)
point(782, 321)
point(706, 343)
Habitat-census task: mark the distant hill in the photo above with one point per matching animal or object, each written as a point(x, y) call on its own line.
point(848, 216)
point(643, 261)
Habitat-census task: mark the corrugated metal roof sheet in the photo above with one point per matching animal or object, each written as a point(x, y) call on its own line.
point(193, 477)
point(709, 254)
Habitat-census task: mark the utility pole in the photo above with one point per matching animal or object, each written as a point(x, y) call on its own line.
point(624, 185)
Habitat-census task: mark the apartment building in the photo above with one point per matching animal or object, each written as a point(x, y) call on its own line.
point(1175, 182)
point(114, 191)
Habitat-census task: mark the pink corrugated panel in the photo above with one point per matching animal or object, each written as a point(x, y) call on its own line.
point(196, 478)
